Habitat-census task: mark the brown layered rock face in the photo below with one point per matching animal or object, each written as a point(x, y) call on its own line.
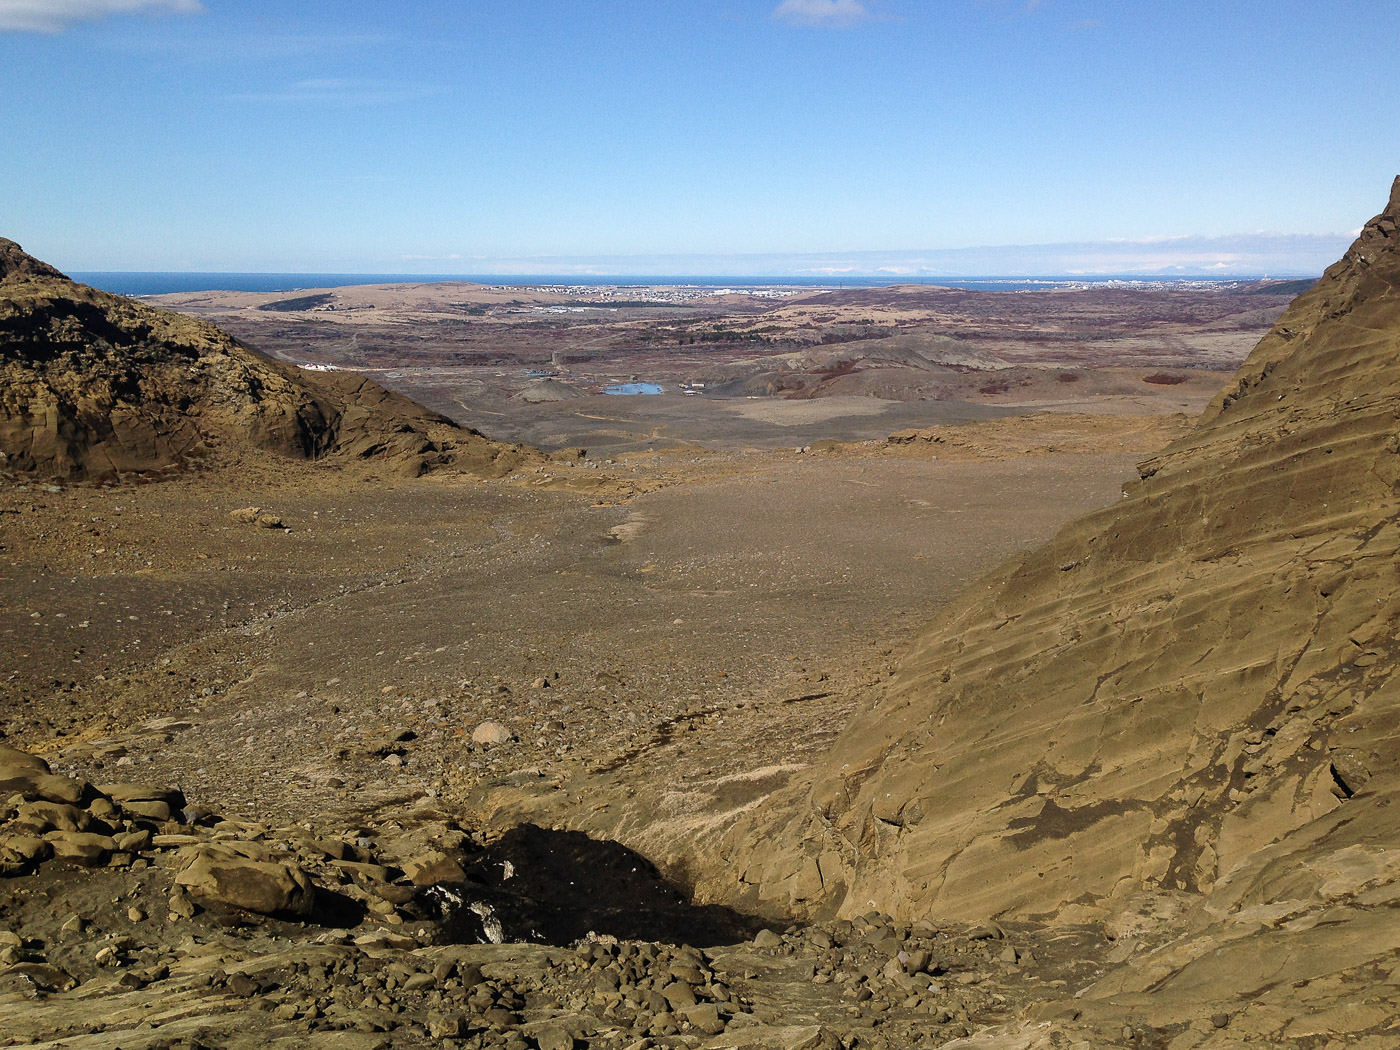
point(93, 384)
point(1190, 694)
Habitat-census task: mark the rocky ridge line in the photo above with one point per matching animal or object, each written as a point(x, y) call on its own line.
point(93, 384)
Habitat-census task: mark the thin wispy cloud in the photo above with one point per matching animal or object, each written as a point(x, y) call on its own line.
point(336, 91)
point(54, 16)
point(828, 13)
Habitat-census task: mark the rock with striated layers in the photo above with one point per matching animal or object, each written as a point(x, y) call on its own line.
point(1190, 696)
point(92, 384)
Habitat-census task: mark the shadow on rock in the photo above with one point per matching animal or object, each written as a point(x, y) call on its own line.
point(336, 910)
point(556, 887)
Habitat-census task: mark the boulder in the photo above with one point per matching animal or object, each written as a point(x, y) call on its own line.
point(704, 1017)
point(20, 852)
point(432, 867)
point(51, 816)
point(124, 793)
point(553, 1037)
point(42, 975)
point(12, 758)
point(29, 775)
point(492, 733)
point(80, 848)
point(216, 879)
point(133, 841)
point(679, 994)
point(157, 811)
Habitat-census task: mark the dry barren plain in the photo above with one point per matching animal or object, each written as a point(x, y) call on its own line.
point(530, 364)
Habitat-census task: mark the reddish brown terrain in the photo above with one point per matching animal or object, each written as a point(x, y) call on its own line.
point(876, 359)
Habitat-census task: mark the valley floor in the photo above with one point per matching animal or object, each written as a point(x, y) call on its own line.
point(589, 611)
point(663, 639)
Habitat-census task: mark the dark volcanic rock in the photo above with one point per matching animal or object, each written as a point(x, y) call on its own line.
point(94, 384)
point(15, 262)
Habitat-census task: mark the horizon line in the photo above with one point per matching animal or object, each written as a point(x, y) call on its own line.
point(1059, 277)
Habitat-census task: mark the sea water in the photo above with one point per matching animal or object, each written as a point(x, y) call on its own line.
point(158, 283)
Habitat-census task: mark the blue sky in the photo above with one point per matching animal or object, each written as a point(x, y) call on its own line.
point(479, 136)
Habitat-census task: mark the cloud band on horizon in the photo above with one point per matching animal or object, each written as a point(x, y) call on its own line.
point(1249, 254)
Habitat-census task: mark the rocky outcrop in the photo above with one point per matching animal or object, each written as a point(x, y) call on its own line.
point(248, 879)
point(232, 933)
point(94, 384)
point(1189, 695)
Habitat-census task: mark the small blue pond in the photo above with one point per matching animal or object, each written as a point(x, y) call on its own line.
point(634, 388)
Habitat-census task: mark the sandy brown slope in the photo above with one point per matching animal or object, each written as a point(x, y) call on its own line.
point(94, 384)
point(1186, 699)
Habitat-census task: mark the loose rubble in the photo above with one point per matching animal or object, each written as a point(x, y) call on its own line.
point(128, 910)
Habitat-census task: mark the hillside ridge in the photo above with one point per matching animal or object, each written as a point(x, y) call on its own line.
point(1182, 710)
point(94, 385)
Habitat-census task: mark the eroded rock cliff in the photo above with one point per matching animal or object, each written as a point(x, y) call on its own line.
point(1182, 707)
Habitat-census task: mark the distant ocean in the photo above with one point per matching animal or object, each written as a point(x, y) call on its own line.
point(138, 283)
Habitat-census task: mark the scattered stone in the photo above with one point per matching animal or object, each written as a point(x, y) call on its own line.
point(492, 733)
point(777, 1037)
point(767, 939)
point(552, 1037)
point(705, 1017)
point(256, 516)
